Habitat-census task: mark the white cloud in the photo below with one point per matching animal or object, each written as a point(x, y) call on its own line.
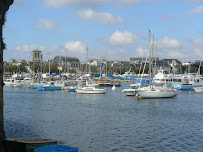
point(75, 47)
point(24, 51)
point(121, 38)
point(142, 51)
point(118, 54)
point(197, 42)
point(102, 17)
point(74, 3)
point(198, 9)
point(174, 54)
point(45, 23)
point(199, 53)
point(168, 43)
point(28, 48)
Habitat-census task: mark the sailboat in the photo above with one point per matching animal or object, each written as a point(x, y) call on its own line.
point(132, 90)
point(89, 89)
point(154, 91)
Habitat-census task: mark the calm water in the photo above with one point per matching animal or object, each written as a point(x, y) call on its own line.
point(108, 122)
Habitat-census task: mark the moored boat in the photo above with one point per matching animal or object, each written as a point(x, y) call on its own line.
point(150, 93)
point(90, 90)
point(49, 87)
point(198, 89)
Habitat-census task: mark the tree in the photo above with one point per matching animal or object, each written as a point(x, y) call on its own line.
point(4, 6)
point(11, 68)
point(22, 68)
point(53, 68)
point(35, 67)
point(45, 68)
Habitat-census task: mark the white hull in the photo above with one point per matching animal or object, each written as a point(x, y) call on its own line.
point(198, 89)
point(90, 90)
point(152, 94)
point(157, 92)
point(129, 92)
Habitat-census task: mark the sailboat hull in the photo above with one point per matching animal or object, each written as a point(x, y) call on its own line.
point(48, 88)
point(198, 89)
point(151, 95)
point(129, 92)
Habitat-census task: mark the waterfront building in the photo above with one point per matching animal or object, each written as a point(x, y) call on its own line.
point(36, 56)
point(170, 65)
point(142, 59)
point(61, 61)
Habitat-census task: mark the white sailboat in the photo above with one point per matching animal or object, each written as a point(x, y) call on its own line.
point(151, 91)
point(89, 89)
point(132, 90)
point(198, 89)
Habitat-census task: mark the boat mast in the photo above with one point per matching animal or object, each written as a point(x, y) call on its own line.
point(149, 59)
point(152, 59)
point(49, 67)
point(155, 56)
point(87, 59)
point(65, 65)
point(199, 69)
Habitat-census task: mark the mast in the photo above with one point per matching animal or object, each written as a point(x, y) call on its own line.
point(152, 55)
point(152, 59)
point(59, 66)
point(149, 58)
point(49, 67)
point(155, 56)
point(87, 59)
point(65, 65)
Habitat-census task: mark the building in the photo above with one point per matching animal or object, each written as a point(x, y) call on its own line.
point(170, 65)
point(65, 60)
point(17, 62)
point(36, 56)
point(142, 59)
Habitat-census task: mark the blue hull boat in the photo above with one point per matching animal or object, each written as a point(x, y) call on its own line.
point(71, 90)
point(183, 87)
point(48, 88)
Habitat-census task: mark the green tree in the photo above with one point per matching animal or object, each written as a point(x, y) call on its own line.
point(11, 68)
point(35, 67)
point(183, 69)
point(22, 68)
point(53, 68)
point(93, 69)
point(127, 68)
point(4, 6)
point(72, 70)
point(194, 68)
point(45, 68)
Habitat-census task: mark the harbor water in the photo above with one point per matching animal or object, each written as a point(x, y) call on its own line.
point(106, 122)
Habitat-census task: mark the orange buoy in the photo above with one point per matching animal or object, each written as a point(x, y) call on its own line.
point(43, 89)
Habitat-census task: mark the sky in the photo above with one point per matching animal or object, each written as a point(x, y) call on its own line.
point(111, 29)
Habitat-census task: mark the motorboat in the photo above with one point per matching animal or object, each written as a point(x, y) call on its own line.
point(189, 82)
point(7, 82)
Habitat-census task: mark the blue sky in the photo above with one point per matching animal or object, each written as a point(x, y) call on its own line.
point(114, 29)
